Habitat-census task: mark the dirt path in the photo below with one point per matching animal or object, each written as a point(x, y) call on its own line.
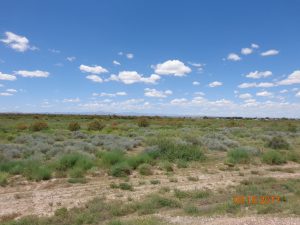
point(43, 198)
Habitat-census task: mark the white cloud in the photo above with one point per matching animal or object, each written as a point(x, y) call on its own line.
point(71, 58)
point(215, 84)
point(283, 91)
point(298, 94)
point(93, 69)
point(94, 78)
point(129, 56)
point(35, 73)
point(179, 101)
point(131, 77)
point(233, 57)
point(260, 85)
point(293, 78)
point(172, 67)
point(17, 42)
point(115, 62)
point(246, 51)
point(254, 45)
point(104, 94)
point(199, 66)
point(245, 96)
point(256, 74)
point(270, 52)
point(199, 93)
point(264, 94)
point(5, 94)
point(196, 83)
point(11, 90)
point(156, 94)
point(4, 76)
point(70, 100)
point(54, 50)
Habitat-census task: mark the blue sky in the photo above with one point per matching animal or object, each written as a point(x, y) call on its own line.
point(215, 58)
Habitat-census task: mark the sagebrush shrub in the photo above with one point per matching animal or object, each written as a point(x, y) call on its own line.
point(278, 142)
point(74, 126)
point(38, 126)
point(96, 125)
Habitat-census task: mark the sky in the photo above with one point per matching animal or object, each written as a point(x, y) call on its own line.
point(198, 58)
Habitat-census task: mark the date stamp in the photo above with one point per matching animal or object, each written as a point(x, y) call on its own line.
point(253, 199)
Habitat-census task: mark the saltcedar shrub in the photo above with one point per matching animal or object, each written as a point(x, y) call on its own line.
point(22, 126)
point(38, 126)
point(96, 125)
point(74, 126)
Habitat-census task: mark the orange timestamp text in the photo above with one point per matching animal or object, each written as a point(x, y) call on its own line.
point(263, 200)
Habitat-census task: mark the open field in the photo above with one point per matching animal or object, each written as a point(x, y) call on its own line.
point(76, 169)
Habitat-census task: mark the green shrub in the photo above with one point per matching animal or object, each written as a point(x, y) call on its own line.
point(181, 163)
point(112, 158)
point(135, 160)
point(34, 170)
point(38, 126)
point(74, 126)
point(273, 157)
point(278, 142)
point(238, 156)
point(76, 172)
point(126, 186)
point(172, 151)
point(120, 170)
point(143, 122)
point(96, 125)
point(3, 179)
point(167, 166)
point(145, 169)
point(69, 161)
point(292, 128)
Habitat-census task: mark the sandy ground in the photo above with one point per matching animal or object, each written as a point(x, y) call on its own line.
point(43, 198)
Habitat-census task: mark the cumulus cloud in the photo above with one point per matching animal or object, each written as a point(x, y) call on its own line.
point(156, 94)
point(4, 76)
point(71, 58)
point(233, 57)
point(94, 78)
point(71, 100)
point(179, 101)
point(298, 94)
point(293, 78)
point(245, 96)
point(129, 56)
point(31, 74)
point(172, 67)
point(246, 51)
point(256, 74)
point(254, 45)
point(131, 77)
point(283, 91)
point(115, 62)
point(17, 42)
point(5, 94)
point(196, 83)
point(270, 52)
point(92, 69)
point(199, 66)
point(264, 94)
point(104, 94)
point(257, 85)
point(11, 90)
point(215, 84)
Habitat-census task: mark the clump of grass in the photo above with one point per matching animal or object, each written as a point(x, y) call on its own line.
point(181, 163)
point(191, 210)
point(136, 160)
point(143, 122)
point(172, 151)
point(126, 186)
point(238, 156)
point(112, 158)
point(145, 169)
point(38, 126)
point(194, 194)
point(74, 126)
point(190, 178)
point(167, 166)
point(3, 179)
point(96, 125)
point(120, 170)
point(278, 142)
point(273, 157)
point(154, 182)
point(173, 179)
